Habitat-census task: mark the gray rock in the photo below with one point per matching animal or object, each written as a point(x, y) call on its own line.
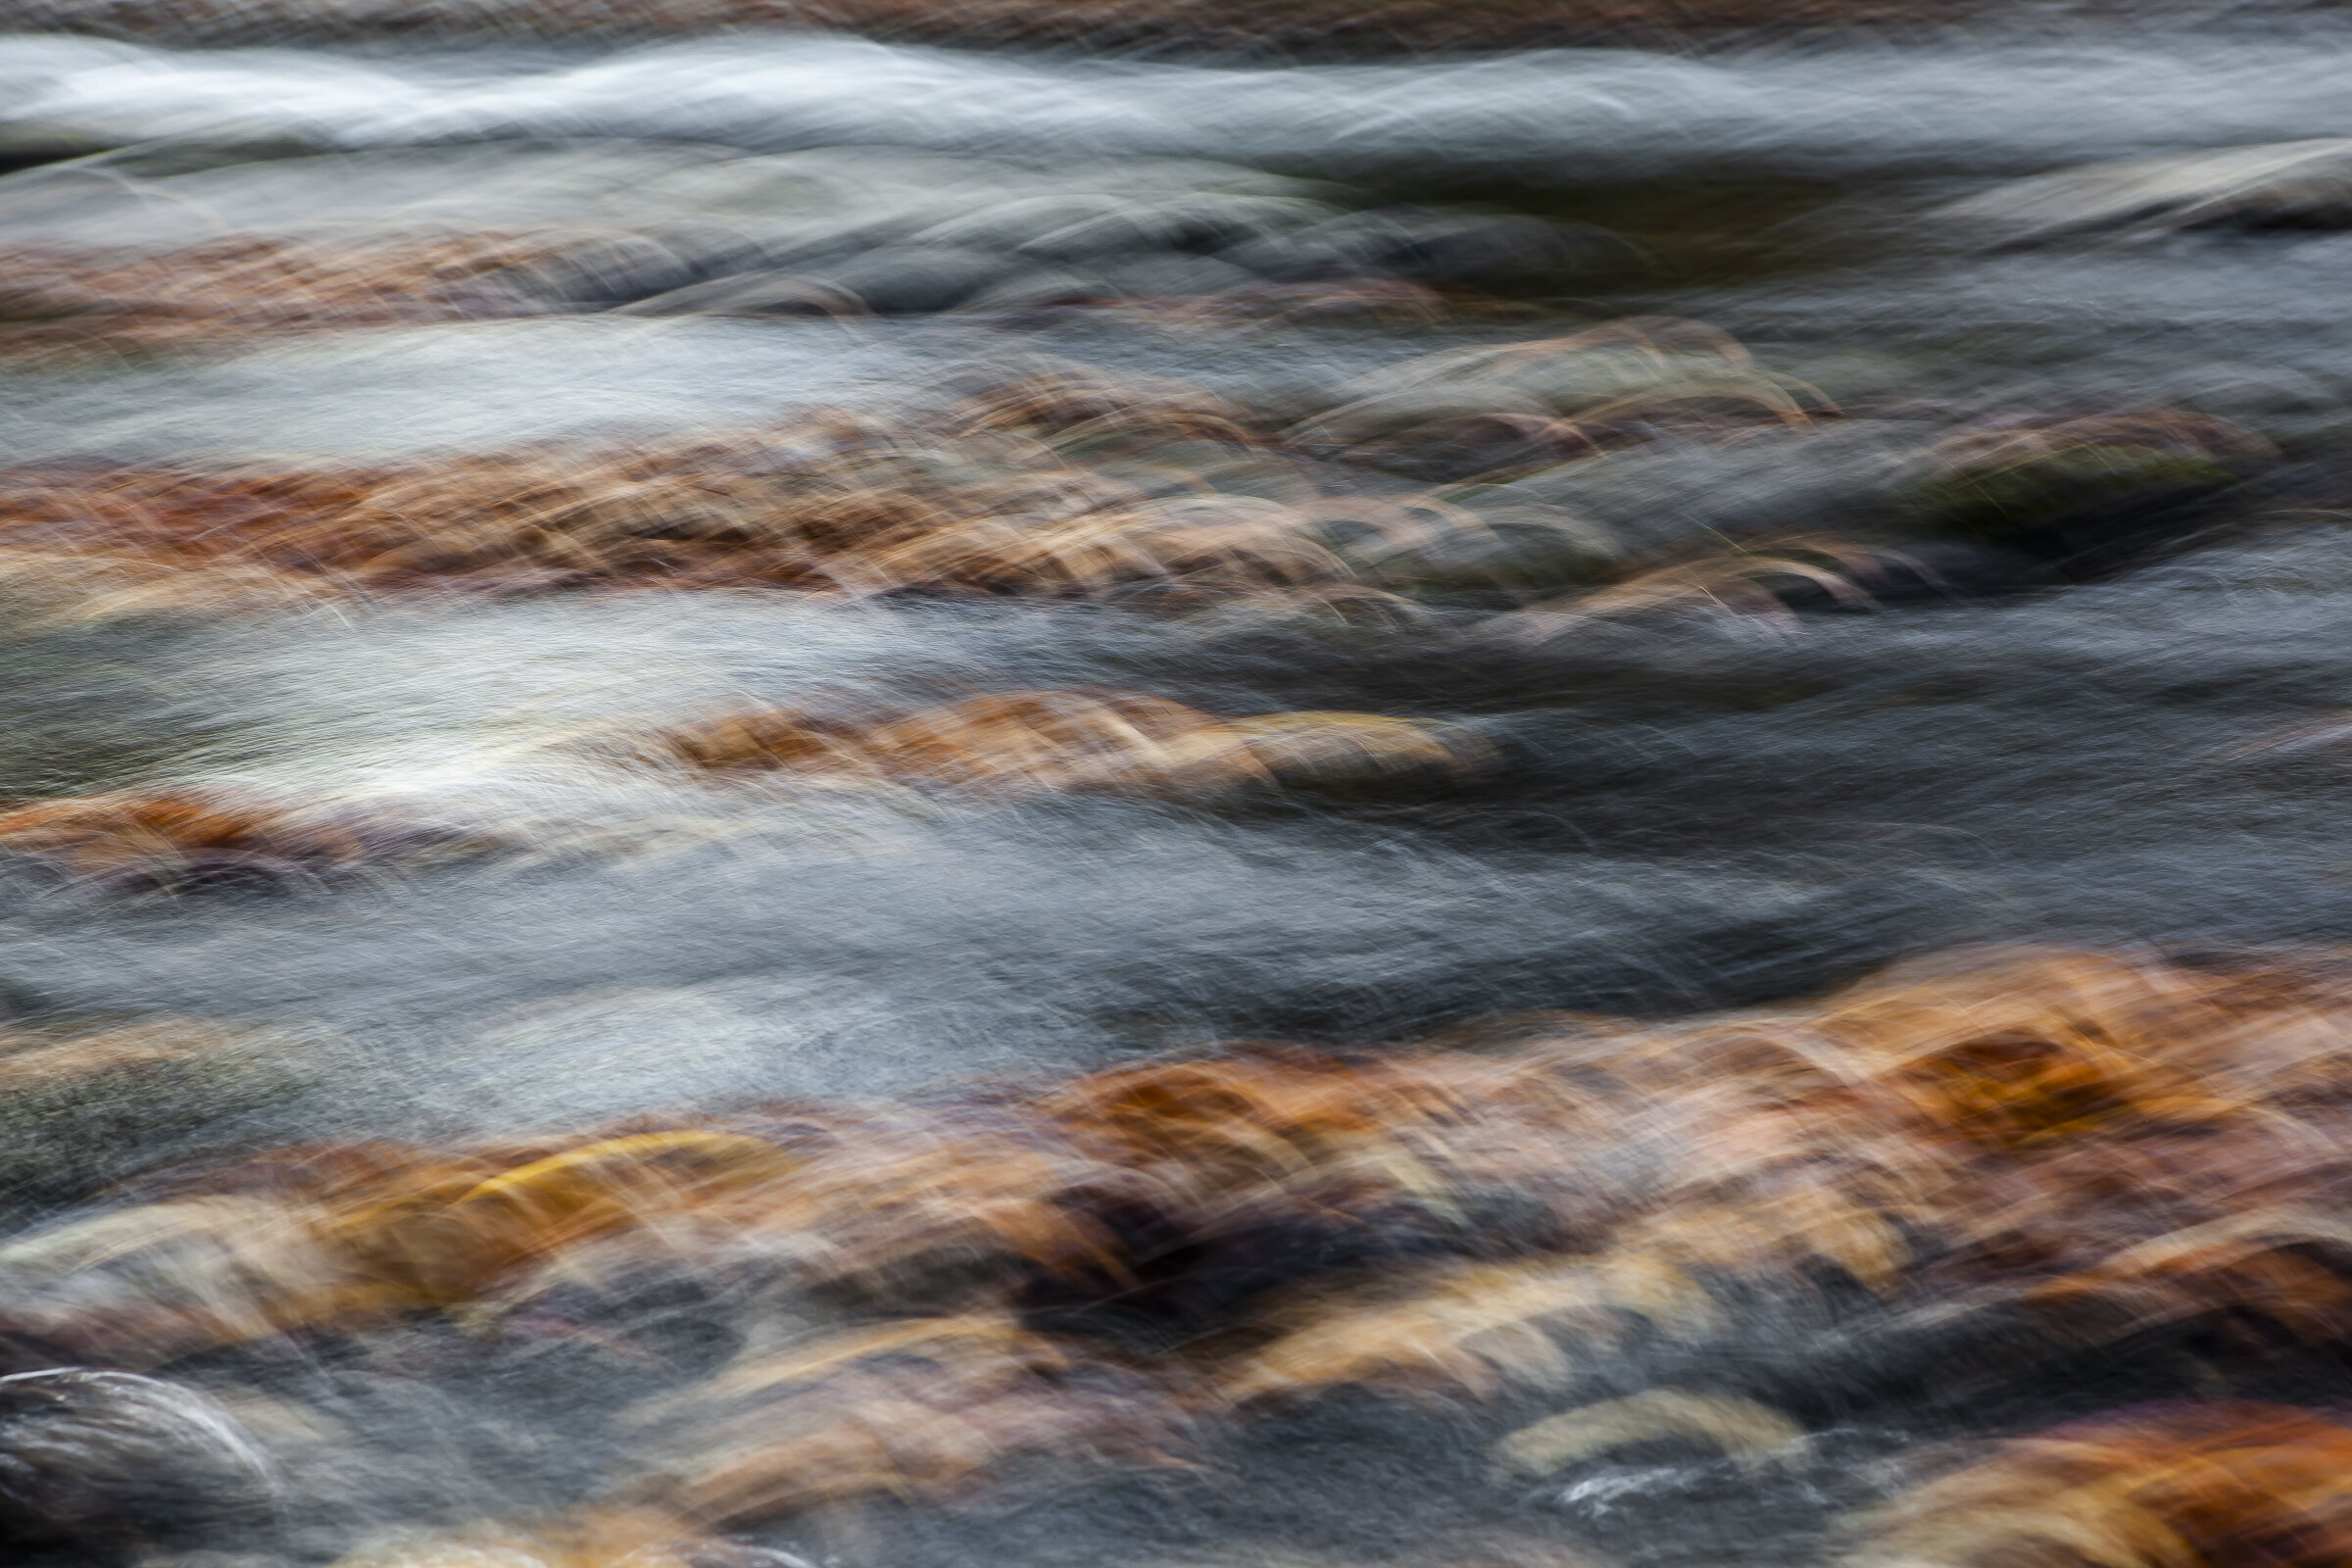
point(1515, 545)
point(1010, 225)
point(1040, 286)
point(892, 280)
point(616, 267)
point(78, 1110)
point(1766, 481)
point(1087, 226)
point(907, 279)
point(1192, 223)
point(1427, 247)
point(1173, 275)
point(2299, 183)
point(764, 293)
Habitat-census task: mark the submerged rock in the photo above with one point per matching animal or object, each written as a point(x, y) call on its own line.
point(2060, 484)
point(1422, 246)
point(759, 293)
point(24, 143)
point(94, 1461)
point(2291, 185)
point(891, 280)
point(1173, 275)
point(1188, 222)
point(1762, 482)
point(77, 1109)
point(1041, 286)
point(164, 245)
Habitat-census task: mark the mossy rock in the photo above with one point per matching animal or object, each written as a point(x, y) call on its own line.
point(2044, 492)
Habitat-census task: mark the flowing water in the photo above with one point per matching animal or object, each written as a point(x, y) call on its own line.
point(1717, 666)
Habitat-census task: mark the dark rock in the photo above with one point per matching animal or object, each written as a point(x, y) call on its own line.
point(1767, 481)
point(1042, 286)
point(1169, 276)
point(769, 293)
point(907, 279)
point(618, 268)
point(1412, 408)
point(1428, 247)
point(95, 1461)
point(1010, 225)
point(1194, 223)
point(889, 280)
point(26, 144)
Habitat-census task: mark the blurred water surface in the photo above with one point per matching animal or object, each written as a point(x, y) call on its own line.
point(2109, 713)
